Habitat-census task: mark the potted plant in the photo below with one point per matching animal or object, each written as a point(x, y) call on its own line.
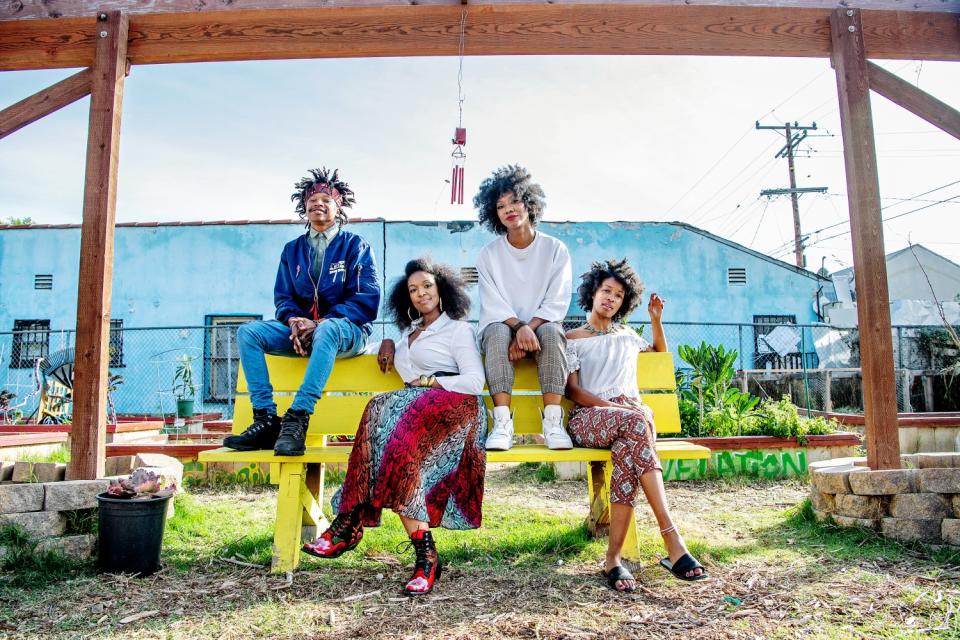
point(183, 388)
point(132, 514)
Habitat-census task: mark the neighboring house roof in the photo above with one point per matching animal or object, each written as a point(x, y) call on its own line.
point(890, 256)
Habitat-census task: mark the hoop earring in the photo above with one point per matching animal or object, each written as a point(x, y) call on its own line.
point(441, 305)
point(410, 315)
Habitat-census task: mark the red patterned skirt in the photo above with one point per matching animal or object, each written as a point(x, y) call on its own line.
point(629, 434)
point(419, 452)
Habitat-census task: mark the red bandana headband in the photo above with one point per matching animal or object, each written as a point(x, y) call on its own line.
point(323, 187)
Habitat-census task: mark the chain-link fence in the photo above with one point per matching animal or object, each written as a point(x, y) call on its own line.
point(817, 366)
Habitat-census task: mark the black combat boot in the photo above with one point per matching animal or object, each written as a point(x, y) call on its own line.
point(293, 433)
point(262, 434)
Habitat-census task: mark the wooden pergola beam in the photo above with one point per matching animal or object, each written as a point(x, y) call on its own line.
point(92, 351)
point(508, 29)
point(44, 102)
point(916, 101)
point(866, 227)
point(40, 9)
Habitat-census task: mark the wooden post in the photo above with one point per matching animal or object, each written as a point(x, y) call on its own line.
point(914, 100)
point(96, 249)
point(44, 102)
point(869, 262)
point(928, 404)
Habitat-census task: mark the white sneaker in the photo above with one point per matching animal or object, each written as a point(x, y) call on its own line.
point(554, 435)
point(501, 436)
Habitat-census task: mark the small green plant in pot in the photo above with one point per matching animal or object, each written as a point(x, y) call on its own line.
point(183, 387)
point(132, 514)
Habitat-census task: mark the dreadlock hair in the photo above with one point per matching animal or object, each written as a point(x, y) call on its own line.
point(620, 271)
point(323, 176)
point(509, 179)
point(452, 290)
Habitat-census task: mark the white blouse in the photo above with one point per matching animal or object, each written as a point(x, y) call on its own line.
point(446, 345)
point(608, 363)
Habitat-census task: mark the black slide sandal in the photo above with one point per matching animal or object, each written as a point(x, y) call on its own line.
point(684, 563)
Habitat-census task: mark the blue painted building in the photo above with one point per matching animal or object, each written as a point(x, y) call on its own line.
point(216, 275)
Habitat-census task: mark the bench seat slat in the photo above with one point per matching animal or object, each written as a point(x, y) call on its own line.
point(519, 453)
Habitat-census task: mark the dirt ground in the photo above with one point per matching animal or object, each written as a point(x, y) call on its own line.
point(771, 578)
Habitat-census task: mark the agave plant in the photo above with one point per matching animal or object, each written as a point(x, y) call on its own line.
point(142, 484)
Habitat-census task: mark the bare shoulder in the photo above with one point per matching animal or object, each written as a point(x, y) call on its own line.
point(577, 333)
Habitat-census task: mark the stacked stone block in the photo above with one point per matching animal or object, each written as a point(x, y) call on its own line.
point(37, 498)
point(42, 508)
point(920, 502)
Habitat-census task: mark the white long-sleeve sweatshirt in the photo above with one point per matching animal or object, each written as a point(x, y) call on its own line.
point(535, 282)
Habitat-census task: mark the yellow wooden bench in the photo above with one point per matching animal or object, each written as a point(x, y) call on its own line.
point(300, 479)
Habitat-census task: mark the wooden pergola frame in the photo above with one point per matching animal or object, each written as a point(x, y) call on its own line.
point(106, 37)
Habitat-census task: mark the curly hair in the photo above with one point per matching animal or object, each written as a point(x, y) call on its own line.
point(329, 178)
point(453, 295)
point(509, 179)
point(620, 271)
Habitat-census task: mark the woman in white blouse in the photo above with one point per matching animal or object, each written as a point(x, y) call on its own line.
point(602, 355)
point(419, 450)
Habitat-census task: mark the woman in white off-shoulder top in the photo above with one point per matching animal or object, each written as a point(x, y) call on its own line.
point(602, 355)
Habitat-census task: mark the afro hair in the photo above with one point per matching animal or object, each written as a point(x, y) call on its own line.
point(620, 271)
point(453, 296)
point(510, 179)
point(327, 177)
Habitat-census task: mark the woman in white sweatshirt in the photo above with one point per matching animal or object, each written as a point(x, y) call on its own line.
point(525, 288)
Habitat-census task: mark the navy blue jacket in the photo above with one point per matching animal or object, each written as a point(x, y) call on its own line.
point(348, 286)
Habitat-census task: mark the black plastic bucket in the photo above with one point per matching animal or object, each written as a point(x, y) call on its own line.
point(130, 534)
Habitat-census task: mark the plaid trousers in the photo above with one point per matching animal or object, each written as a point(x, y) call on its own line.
point(552, 368)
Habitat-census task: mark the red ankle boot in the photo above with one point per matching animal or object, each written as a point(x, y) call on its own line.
point(344, 534)
point(427, 568)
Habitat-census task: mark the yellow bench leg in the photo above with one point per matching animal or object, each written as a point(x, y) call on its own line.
point(598, 522)
point(286, 535)
point(311, 499)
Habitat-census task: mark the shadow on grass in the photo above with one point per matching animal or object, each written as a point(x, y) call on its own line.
point(800, 532)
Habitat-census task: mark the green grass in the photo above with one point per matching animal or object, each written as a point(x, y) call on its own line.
point(203, 530)
point(22, 566)
point(844, 544)
point(62, 454)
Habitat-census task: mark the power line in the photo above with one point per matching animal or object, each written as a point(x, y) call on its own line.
point(785, 246)
point(741, 138)
point(714, 166)
point(950, 199)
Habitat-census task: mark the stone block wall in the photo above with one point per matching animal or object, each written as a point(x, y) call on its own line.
point(919, 502)
point(43, 509)
point(36, 497)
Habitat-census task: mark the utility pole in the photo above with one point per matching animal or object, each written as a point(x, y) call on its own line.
point(793, 141)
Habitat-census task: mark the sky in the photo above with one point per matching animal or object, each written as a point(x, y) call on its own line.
point(639, 138)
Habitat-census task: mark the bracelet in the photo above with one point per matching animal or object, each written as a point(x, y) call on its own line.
point(516, 327)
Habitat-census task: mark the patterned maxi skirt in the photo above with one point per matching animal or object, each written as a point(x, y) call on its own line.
point(419, 452)
point(629, 434)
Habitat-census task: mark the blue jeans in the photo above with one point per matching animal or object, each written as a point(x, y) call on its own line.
point(334, 338)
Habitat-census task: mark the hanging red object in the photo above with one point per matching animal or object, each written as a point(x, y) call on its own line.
point(458, 155)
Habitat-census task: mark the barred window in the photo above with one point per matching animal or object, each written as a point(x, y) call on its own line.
point(222, 355)
point(116, 343)
point(31, 342)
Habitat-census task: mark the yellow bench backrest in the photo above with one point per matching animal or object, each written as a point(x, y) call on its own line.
point(355, 380)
